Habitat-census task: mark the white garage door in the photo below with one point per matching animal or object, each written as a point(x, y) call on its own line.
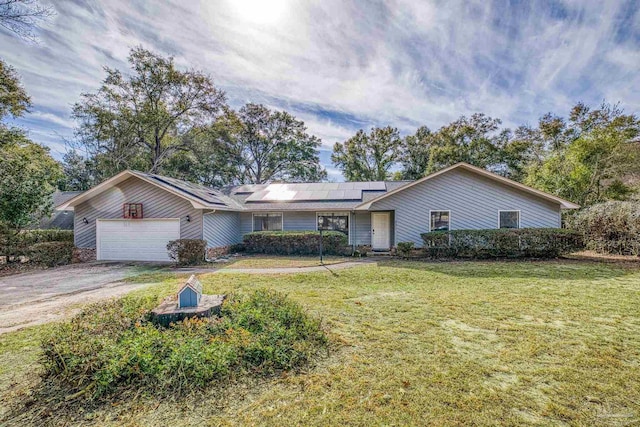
point(135, 240)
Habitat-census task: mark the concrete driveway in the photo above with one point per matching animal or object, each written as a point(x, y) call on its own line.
point(42, 296)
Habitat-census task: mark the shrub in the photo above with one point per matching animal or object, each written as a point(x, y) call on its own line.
point(187, 251)
point(405, 248)
point(502, 243)
point(112, 346)
point(611, 227)
point(12, 243)
point(296, 242)
point(51, 254)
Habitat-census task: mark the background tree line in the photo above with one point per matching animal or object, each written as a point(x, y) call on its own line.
point(589, 157)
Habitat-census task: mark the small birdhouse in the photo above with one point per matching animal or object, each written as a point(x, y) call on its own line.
point(190, 294)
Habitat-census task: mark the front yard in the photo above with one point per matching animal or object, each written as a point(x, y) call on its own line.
point(465, 343)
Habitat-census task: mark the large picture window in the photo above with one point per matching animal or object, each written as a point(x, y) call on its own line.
point(509, 219)
point(334, 221)
point(267, 221)
point(439, 220)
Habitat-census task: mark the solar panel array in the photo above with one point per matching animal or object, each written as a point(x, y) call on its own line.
point(201, 192)
point(315, 191)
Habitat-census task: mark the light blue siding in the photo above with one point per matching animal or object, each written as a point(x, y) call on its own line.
point(299, 221)
point(156, 203)
point(474, 202)
point(361, 222)
point(188, 298)
point(222, 229)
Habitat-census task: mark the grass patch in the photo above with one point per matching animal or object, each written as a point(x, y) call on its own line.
point(460, 343)
point(275, 261)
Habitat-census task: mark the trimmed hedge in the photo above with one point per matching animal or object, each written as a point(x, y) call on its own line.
point(18, 244)
point(187, 251)
point(609, 228)
point(297, 242)
point(51, 254)
point(405, 248)
point(502, 243)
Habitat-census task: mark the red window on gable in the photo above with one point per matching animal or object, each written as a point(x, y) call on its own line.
point(132, 211)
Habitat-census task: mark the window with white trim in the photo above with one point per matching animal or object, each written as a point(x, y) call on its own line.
point(439, 220)
point(509, 219)
point(334, 221)
point(267, 221)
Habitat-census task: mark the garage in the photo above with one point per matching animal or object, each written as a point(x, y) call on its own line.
point(135, 240)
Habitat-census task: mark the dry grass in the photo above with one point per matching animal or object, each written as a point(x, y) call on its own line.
point(469, 343)
point(275, 261)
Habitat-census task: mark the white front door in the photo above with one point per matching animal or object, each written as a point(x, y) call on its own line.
point(135, 239)
point(380, 234)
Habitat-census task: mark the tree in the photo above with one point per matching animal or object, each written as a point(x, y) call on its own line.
point(274, 145)
point(593, 163)
point(144, 118)
point(416, 153)
point(79, 172)
point(28, 175)
point(14, 100)
point(21, 17)
point(368, 157)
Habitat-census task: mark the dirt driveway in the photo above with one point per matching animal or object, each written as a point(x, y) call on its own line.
point(42, 296)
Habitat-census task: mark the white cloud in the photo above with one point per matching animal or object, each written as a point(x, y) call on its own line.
point(399, 62)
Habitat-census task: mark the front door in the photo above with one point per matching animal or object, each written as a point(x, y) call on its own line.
point(380, 234)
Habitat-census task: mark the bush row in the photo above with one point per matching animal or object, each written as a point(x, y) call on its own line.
point(502, 243)
point(296, 242)
point(113, 346)
point(12, 243)
point(611, 227)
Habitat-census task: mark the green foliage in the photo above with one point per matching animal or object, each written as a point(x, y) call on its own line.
point(610, 228)
point(274, 145)
point(112, 346)
point(12, 243)
point(143, 118)
point(187, 251)
point(502, 243)
point(51, 254)
point(589, 156)
point(405, 248)
point(368, 157)
point(28, 176)
point(79, 172)
point(296, 242)
point(14, 100)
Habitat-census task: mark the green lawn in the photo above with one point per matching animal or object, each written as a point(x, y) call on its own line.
point(275, 261)
point(496, 343)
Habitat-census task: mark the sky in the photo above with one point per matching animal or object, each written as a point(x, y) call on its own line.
point(344, 65)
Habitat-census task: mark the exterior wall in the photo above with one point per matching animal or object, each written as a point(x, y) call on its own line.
point(221, 229)
point(156, 203)
point(362, 228)
point(306, 221)
point(474, 202)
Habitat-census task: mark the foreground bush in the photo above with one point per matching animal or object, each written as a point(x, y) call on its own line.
point(296, 242)
point(51, 254)
point(610, 228)
point(502, 243)
point(187, 251)
point(112, 346)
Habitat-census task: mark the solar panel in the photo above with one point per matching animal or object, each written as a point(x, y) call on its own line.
point(310, 191)
point(201, 192)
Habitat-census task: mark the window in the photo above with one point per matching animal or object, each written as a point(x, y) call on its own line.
point(509, 219)
point(267, 221)
point(439, 220)
point(334, 222)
